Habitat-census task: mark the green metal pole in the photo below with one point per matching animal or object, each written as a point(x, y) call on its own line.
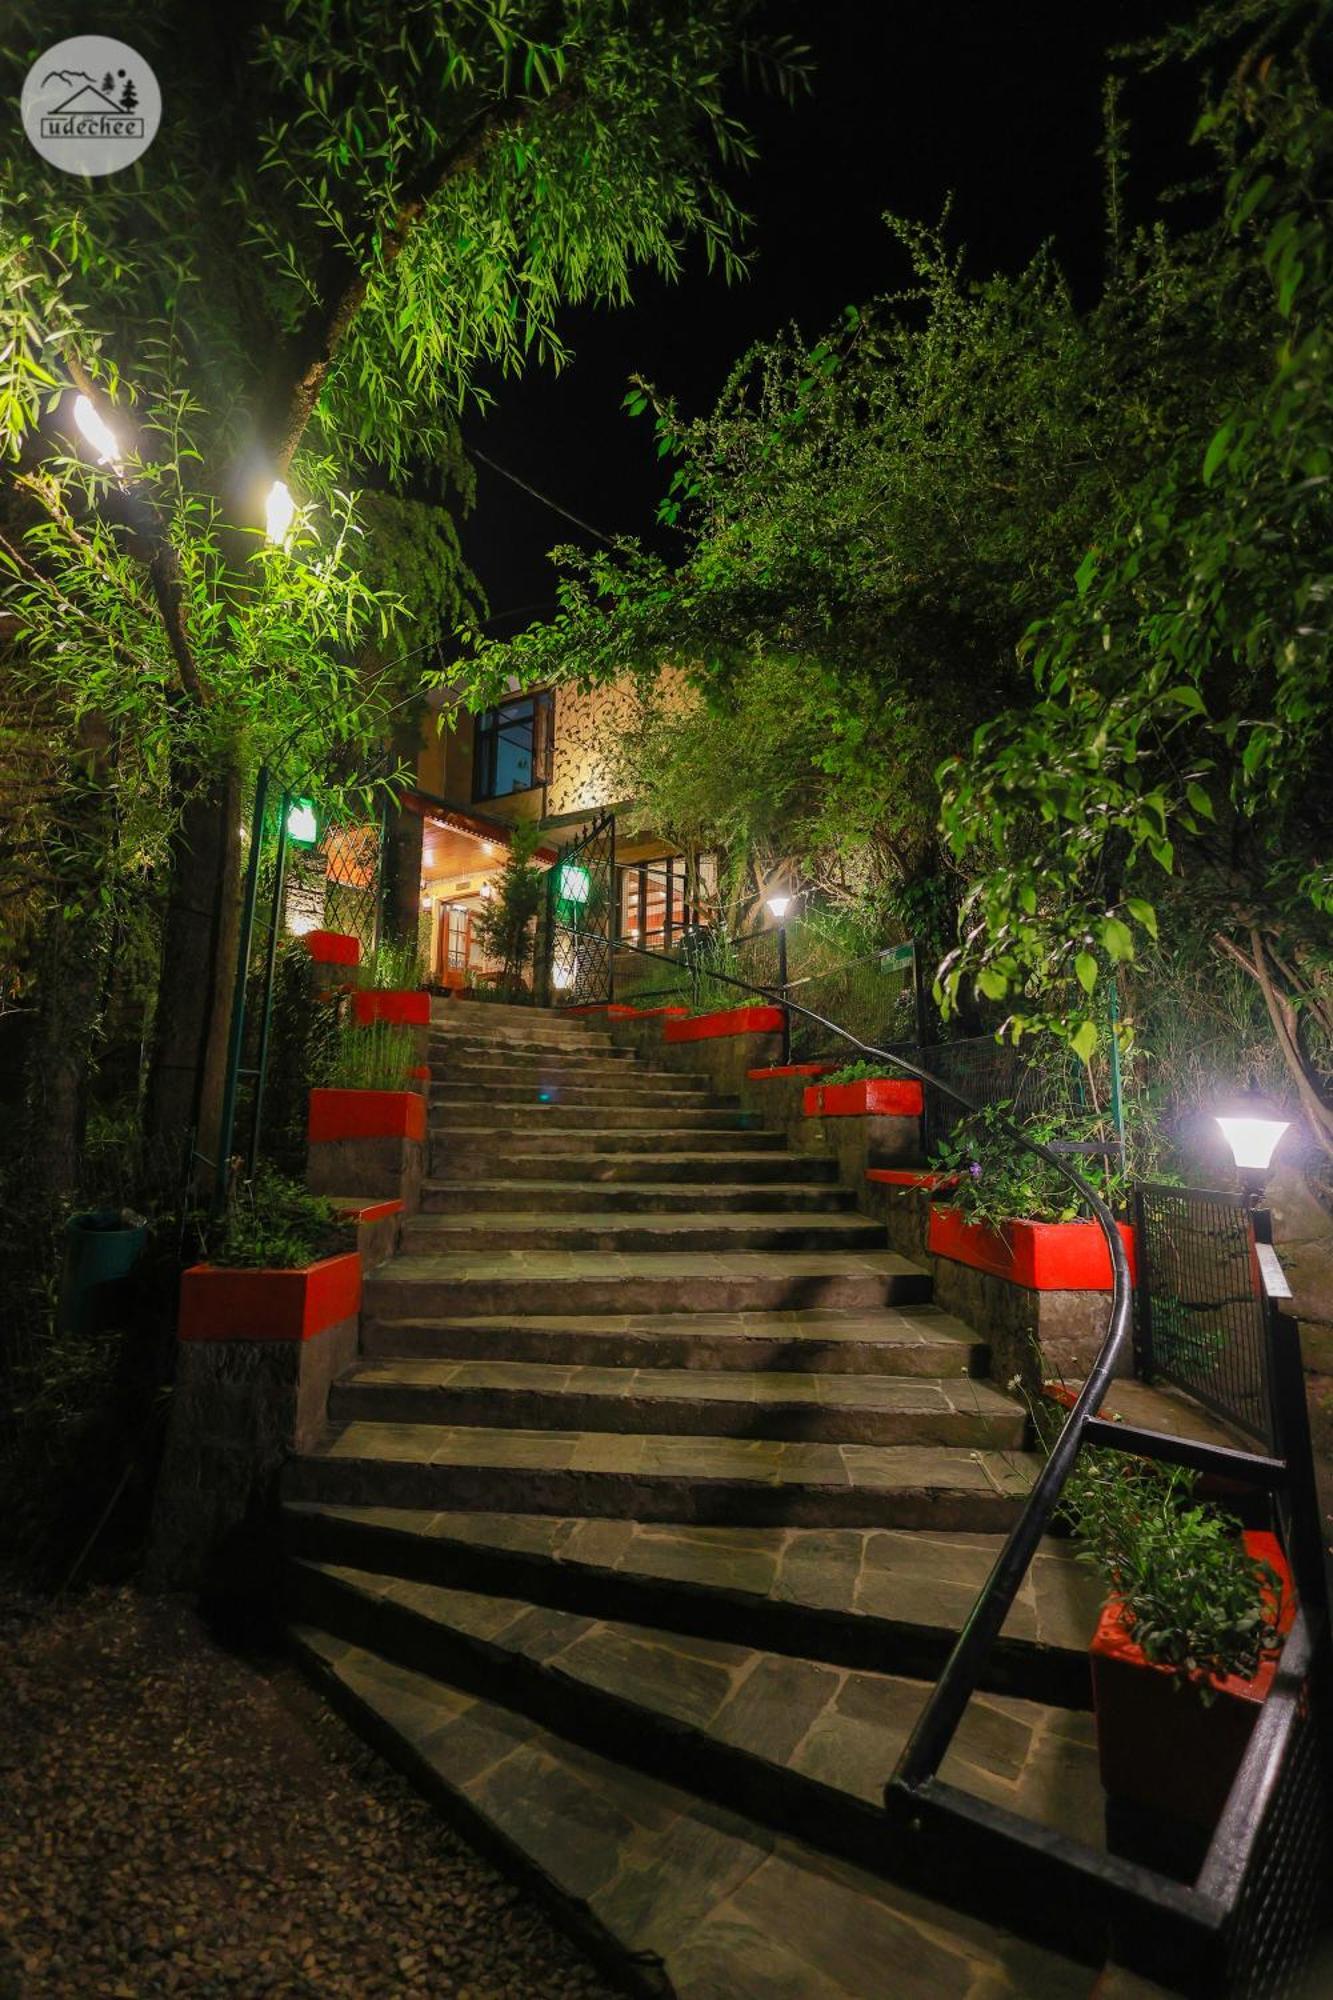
point(236, 1036)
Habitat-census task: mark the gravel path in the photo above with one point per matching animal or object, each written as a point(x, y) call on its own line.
point(175, 1821)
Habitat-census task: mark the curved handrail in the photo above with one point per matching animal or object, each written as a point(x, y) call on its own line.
point(943, 1710)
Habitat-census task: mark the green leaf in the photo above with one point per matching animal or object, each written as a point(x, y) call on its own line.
point(1117, 938)
point(1143, 913)
point(993, 984)
point(1085, 965)
point(1216, 452)
point(1200, 800)
point(1083, 1041)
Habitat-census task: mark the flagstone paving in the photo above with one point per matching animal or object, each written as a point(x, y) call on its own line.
point(648, 1517)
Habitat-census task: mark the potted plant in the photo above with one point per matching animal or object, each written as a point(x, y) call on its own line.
point(280, 1268)
point(864, 1089)
point(369, 1091)
point(1014, 1215)
point(503, 928)
point(392, 989)
point(1185, 1649)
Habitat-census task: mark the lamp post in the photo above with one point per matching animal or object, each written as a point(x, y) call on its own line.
point(778, 907)
point(1253, 1135)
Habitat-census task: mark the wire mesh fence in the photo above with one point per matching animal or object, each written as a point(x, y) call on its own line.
point(1201, 1313)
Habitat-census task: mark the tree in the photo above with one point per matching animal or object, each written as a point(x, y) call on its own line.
point(504, 926)
point(1173, 773)
point(358, 207)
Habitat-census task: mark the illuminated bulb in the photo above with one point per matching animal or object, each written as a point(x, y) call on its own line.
point(302, 824)
point(1253, 1141)
point(97, 431)
point(299, 926)
point(487, 892)
point(488, 847)
point(779, 906)
point(561, 977)
point(279, 513)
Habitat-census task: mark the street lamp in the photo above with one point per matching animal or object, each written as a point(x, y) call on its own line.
point(1253, 1135)
point(279, 513)
point(97, 431)
point(778, 907)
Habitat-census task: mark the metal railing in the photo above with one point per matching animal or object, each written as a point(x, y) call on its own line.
point(1242, 1930)
point(1202, 1322)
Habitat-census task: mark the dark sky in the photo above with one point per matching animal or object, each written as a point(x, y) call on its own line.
point(996, 102)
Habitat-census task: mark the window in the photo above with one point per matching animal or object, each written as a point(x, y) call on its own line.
point(655, 906)
point(513, 746)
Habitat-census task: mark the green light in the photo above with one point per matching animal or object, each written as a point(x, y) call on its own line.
point(302, 826)
point(573, 884)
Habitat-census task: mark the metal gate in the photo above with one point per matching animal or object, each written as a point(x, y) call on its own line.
point(580, 919)
point(1201, 1311)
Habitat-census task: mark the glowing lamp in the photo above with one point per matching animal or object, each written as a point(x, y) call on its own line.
point(562, 977)
point(279, 513)
point(302, 826)
point(1253, 1139)
point(486, 892)
point(300, 926)
point(574, 883)
point(778, 906)
point(97, 431)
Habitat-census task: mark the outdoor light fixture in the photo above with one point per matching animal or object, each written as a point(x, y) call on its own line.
point(488, 847)
point(778, 906)
point(1253, 1138)
point(301, 926)
point(97, 431)
point(279, 513)
point(486, 892)
point(561, 977)
point(573, 884)
point(302, 826)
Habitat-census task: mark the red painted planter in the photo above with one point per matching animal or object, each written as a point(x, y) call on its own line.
point(1043, 1256)
point(911, 1177)
point(218, 1302)
point(879, 1096)
point(366, 1114)
point(788, 1069)
point(1158, 1745)
point(731, 1021)
point(410, 1010)
point(333, 948)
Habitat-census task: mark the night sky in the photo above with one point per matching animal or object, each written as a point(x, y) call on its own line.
point(998, 105)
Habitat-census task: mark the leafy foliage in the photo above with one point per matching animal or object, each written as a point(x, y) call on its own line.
point(1194, 1600)
point(273, 1223)
point(998, 1181)
point(394, 966)
point(504, 926)
point(1173, 769)
point(375, 1057)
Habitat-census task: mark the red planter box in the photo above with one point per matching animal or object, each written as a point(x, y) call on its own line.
point(366, 1114)
point(883, 1096)
point(731, 1021)
point(1043, 1256)
point(1158, 1745)
point(218, 1302)
point(789, 1069)
point(411, 1010)
point(333, 948)
point(911, 1177)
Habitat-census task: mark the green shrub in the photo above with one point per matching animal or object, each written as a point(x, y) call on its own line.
point(273, 1223)
point(1194, 1599)
point(377, 1057)
point(395, 966)
point(999, 1181)
point(862, 1072)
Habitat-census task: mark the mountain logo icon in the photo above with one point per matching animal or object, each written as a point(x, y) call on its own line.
point(91, 105)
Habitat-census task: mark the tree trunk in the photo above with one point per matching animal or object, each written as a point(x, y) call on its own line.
point(402, 847)
point(188, 1063)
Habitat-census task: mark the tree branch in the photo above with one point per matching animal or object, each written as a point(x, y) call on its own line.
point(345, 280)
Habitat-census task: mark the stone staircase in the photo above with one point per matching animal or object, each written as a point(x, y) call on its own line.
point(656, 1500)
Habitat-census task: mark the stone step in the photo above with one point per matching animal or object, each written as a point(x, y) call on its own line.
point(683, 1402)
point(519, 1230)
point(670, 1894)
point(479, 1143)
point(538, 1041)
point(585, 1074)
point(797, 1744)
point(514, 1093)
point(890, 1600)
point(534, 1119)
point(737, 1481)
point(573, 1281)
point(618, 1165)
point(634, 1197)
point(920, 1341)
